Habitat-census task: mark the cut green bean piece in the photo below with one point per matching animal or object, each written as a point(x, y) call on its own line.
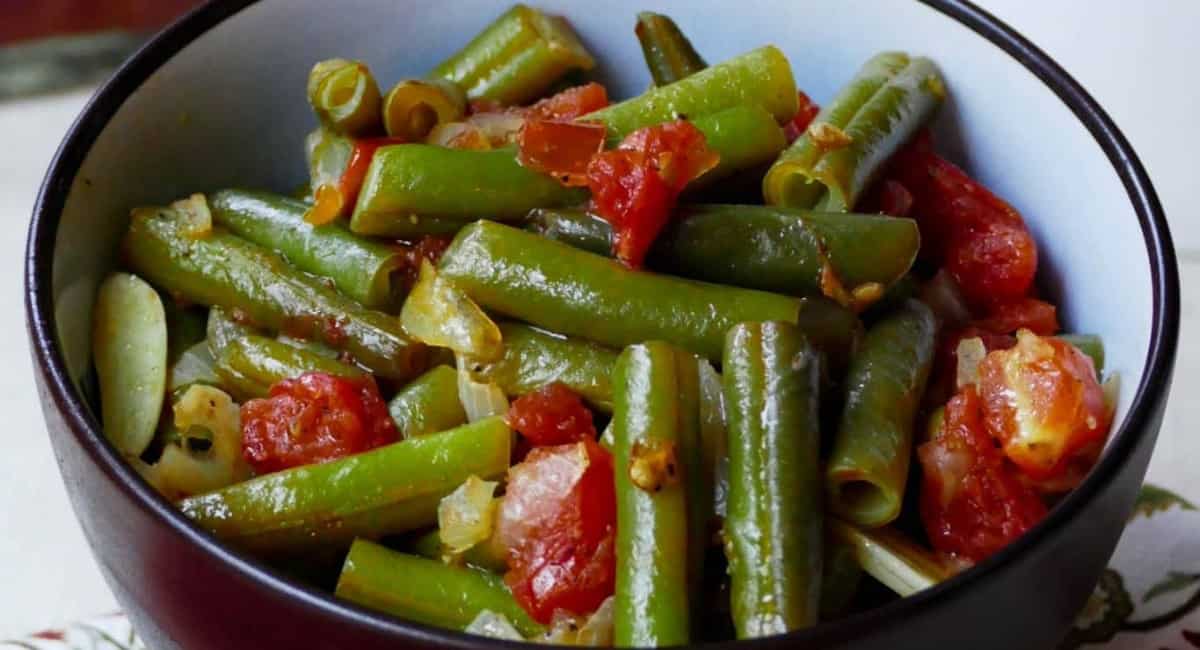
point(222, 329)
point(250, 365)
point(129, 346)
point(745, 137)
point(889, 557)
point(414, 106)
point(426, 591)
point(656, 453)
point(775, 509)
point(226, 271)
point(409, 184)
point(429, 404)
point(850, 140)
point(868, 466)
point(669, 54)
point(516, 58)
point(386, 491)
point(577, 227)
point(362, 269)
point(565, 290)
point(533, 358)
point(488, 555)
point(345, 97)
point(1089, 344)
point(761, 77)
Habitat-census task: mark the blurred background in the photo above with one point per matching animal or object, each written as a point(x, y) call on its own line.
point(1136, 58)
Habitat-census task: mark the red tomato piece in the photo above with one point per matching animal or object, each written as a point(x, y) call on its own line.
point(314, 418)
point(994, 263)
point(635, 186)
point(571, 103)
point(799, 124)
point(356, 169)
point(1044, 404)
point(972, 501)
point(558, 519)
point(552, 415)
point(560, 149)
point(1032, 314)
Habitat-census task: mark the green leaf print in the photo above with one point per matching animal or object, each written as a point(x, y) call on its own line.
point(1175, 581)
point(1154, 499)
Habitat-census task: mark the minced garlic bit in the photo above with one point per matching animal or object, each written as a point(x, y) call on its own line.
point(828, 137)
point(197, 218)
point(654, 465)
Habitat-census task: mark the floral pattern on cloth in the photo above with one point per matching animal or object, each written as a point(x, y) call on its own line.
point(1149, 597)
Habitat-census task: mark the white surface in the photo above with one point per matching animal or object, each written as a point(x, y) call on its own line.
point(1130, 56)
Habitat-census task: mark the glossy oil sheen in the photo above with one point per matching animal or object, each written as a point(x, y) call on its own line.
point(166, 126)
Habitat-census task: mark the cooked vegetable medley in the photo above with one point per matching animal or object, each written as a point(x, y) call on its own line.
point(710, 362)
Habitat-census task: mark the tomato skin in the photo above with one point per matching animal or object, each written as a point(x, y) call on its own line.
point(314, 418)
point(994, 263)
point(571, 103)
point(799, 124)
point(1038, 316)
point(635, 186)
point(356, 169)
point(560, 149)
point(1042, 401)
point(552, 415)
point(558, 520)
point(972, 501)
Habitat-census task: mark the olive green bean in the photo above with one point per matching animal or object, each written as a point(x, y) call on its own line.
point(250, 365)
point(345, 97)
point(488, 555)
point(669, 54)
point(429, 404)
point(533, 358)
point(414, 106)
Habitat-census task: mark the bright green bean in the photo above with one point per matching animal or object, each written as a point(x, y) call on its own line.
point(249, 365)
point(429, 404)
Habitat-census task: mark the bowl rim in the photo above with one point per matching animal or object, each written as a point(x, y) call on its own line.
point(104, 104)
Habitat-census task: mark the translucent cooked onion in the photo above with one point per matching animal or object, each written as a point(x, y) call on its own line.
point(437, 313)
point(467, 515)
point(479, 399)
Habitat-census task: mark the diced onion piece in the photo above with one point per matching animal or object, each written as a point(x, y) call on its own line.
point(479, 399)
point(493, 625)
point(945, 298)
point(458, 135)
point(196, 219)
point(437, 313)
point(500, 128)
point(969, 352)
point(595, 631)
point(182, 472)
point(466, 515)
point(713, 434)
point(890, 558)
point(607, 437)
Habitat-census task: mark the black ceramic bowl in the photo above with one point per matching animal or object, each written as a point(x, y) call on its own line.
point(217, 100)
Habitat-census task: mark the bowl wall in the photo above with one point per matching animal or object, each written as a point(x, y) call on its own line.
point(228, 109)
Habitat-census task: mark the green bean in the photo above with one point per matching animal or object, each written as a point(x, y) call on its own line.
point(868, 466)
point(840, 577)
point(1089, 344)
point(761, 77)
point(659, 534)
point(783, 250)
point(226, 271)
point(385, 491)
point(223, 329)
point(407, 185)
point(345, 97)
point(669, 54)
point(516, 58)
point(328, 154)
point(745, 137)
point(533, 358)
point(889, 557)
point(564, 290)
point(362, 269)
point(129, 345)
point(488, 555)
point(414, 106)
point(429, 404)
point(773, 528)
point(843, 150)
point(250, 365)
point(906, 287)
point(426, 591)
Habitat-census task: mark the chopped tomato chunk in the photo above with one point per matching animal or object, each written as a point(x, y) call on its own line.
point(552, 415)
point(314, 418)
point(560, 149)
point(972, 501)
point(635, 186)
point(571, 103)
point(799, 124)
point(558, 520)
point(889, 197)
point(981, 239)
point(1042, 401)
point(1032, 314)
point(356, 169)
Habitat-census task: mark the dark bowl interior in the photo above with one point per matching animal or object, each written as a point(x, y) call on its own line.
point(183, 589)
